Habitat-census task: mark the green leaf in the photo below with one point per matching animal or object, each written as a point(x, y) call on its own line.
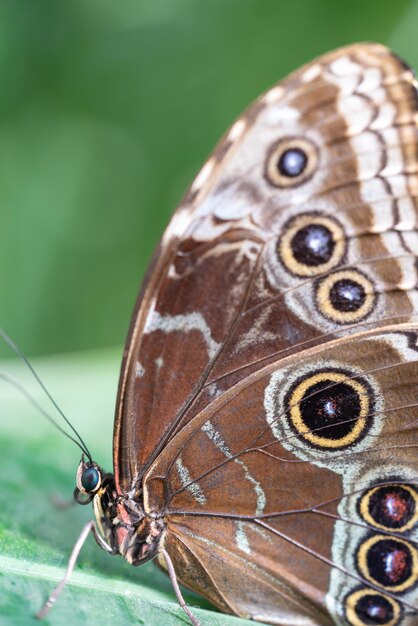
point(36, 463)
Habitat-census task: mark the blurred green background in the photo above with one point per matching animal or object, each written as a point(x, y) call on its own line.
point(107, 110)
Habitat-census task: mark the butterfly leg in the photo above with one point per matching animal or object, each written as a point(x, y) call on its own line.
point(90, 527)
point(179, 596)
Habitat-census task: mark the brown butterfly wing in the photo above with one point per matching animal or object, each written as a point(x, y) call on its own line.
point(230, 290)
point(274, 517)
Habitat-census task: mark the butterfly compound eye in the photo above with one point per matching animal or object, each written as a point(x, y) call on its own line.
point(291, 161)
point(88, 478)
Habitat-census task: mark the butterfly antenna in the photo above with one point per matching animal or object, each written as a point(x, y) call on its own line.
point(38, 407)
point(20, 354)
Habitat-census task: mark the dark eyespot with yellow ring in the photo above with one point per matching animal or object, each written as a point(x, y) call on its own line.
point(367, 607)
point(330, 409)
point(291, 161)
point(311, 244)
point(388, 562)
point(390, 507)
point(345, 296)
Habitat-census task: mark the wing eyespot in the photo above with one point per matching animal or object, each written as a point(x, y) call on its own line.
point(390, 507)
point(345, 296)
point(311, 244)
point(388, 562)
point(330, 409)
point(291, 161)
point(366, 606)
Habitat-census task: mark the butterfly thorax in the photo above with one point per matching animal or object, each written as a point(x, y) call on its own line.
point(126, 527)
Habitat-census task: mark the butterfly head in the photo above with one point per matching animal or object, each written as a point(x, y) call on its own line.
point(121, 519)
point(89, 479)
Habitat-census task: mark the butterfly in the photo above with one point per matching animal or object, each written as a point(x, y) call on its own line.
point(265, 437)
